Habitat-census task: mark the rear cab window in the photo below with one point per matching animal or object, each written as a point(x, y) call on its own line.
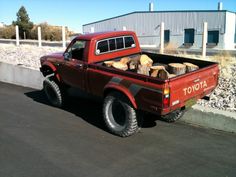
point(114, 44)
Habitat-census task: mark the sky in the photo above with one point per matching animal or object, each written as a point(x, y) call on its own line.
point(75, 13)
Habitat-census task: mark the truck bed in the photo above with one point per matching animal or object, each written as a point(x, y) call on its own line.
point(184, 89)
point(158, 58)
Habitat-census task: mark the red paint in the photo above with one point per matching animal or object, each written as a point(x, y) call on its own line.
point(122, 89)
point(90, 55)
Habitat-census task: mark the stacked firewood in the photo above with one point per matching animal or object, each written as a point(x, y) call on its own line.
point(143, 64)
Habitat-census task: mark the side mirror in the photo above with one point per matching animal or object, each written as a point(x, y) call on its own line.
point(66, 56)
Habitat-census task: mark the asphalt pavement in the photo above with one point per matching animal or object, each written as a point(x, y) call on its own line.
point(39, 140)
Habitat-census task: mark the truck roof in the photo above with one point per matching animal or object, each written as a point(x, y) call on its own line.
point(103, 35)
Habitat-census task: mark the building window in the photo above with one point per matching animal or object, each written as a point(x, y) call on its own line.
point(189, 36)
point(213, 37)
point(166, 36)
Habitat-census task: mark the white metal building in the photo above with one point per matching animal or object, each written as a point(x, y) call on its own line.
point(182, 28)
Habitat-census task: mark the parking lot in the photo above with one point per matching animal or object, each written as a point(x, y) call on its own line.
point(37, 139)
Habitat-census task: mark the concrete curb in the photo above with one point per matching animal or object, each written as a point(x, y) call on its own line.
point(20, 75)
point(211, 118)
point(198, 115)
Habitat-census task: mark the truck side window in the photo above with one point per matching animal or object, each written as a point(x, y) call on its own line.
point(76, 51)
point(119, 43)
point(129, 42)
point(112, 44)
point(102, 46)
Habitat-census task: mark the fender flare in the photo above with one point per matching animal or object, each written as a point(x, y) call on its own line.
point(115, 87)
point(53, 68)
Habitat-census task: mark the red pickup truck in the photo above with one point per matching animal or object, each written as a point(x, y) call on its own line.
point(125, 93)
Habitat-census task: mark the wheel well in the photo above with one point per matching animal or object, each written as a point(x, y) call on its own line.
point(110, 90)
point(46, 70)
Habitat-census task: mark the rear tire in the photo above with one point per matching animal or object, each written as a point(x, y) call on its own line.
point(174, 116)
point(54, 93)
point(119, 115)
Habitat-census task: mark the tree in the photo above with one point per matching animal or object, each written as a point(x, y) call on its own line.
point(24, 23)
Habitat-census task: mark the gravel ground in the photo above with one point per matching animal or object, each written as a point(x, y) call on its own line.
point(223, 97)
point(25, 55)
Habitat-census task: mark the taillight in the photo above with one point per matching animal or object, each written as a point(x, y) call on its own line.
point(166, 98)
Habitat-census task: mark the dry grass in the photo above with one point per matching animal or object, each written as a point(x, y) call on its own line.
point(171, 48)
point(225, 60)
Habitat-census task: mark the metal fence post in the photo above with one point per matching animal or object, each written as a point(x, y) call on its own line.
point(17, 36)
point(162, 37)
point(39, 37)
point(63, 37)
point(204, 39)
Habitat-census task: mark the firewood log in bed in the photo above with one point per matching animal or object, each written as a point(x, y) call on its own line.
point(145, 60)
point(108, 63)
point(155, 69)
point(119, 65)
point(133, 64)
point(190, 67)
point(161, 64)
point(163, 74)
point(177, 68)
point(143, 69)
point(125, 60)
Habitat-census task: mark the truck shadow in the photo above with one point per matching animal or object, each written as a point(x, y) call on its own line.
point(86, 107)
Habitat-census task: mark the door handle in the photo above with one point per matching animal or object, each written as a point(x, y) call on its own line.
point(196, 80)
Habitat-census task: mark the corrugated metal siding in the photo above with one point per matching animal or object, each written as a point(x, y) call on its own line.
point(235, 30)
point(147, 23)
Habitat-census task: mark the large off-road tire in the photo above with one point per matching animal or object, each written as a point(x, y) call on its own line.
point(119, 115)
point(174, 116)
point(53, 91)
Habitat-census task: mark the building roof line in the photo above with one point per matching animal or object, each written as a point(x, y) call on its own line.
point(179, 11)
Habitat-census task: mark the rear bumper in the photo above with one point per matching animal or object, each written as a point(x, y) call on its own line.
point(181, 105)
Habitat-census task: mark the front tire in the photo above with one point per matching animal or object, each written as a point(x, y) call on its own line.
point(119, 115)
point(54, 92)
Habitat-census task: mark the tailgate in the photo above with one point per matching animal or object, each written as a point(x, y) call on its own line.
point(186, 89)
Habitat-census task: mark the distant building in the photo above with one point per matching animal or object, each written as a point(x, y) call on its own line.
point(182, 28)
